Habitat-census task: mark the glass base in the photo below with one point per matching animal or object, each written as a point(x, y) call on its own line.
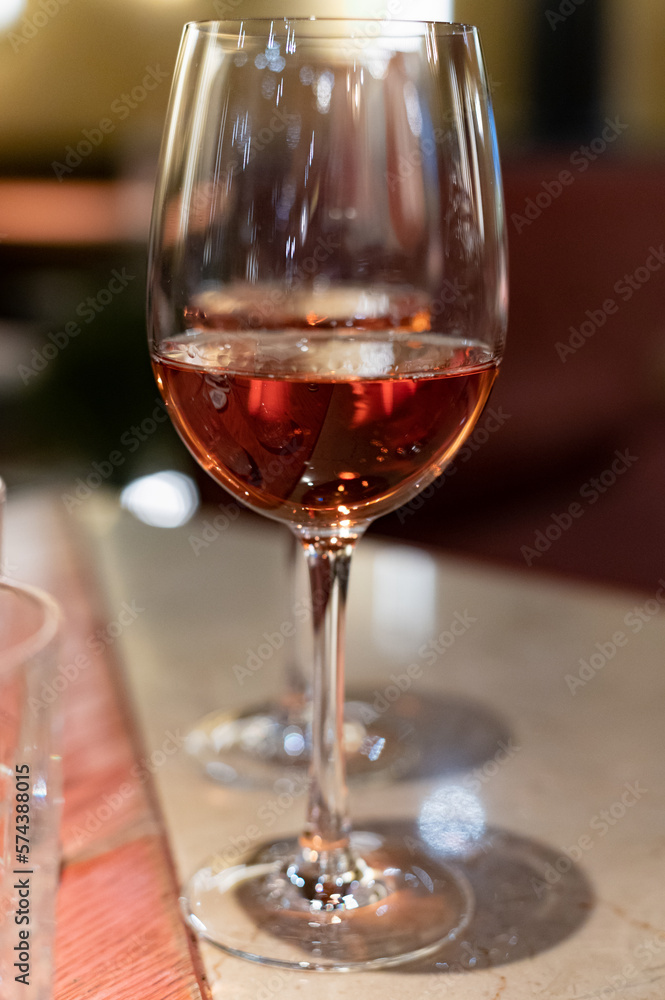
point(386, 905)
point(258, 745)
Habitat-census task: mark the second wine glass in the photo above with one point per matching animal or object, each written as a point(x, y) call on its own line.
point(257, 745)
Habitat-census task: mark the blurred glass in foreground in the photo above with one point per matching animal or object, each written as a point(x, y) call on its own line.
point(30, 789)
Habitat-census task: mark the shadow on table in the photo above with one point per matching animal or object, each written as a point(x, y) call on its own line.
point(527, 899)
point(444, 735)
point(524, 903)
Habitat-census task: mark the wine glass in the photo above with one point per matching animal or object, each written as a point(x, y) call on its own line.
point(327, 306)
point(256, 745)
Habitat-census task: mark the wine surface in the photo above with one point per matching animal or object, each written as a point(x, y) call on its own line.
point(323, 429)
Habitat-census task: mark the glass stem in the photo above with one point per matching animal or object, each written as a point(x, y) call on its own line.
point(326, 836)
point(296, 687)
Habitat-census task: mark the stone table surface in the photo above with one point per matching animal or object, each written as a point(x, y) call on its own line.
point(541, 714)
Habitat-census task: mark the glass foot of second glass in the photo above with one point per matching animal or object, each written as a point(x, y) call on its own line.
point(263, 742)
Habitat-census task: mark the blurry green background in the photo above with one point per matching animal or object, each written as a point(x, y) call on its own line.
point(98, 72)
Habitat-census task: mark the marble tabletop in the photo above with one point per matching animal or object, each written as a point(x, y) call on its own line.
point(533, 728)
point(541, 706)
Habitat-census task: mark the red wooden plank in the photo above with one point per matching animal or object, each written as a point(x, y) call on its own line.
point(119, 930)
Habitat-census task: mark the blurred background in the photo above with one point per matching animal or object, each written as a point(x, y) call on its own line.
point(578, 414)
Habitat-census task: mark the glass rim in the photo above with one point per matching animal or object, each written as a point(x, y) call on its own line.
point(12, 657)
point(210, 25)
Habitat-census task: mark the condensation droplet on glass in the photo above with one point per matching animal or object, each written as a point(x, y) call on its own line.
point(323, 89)
point(240, 58)
point(306, 75)
point(293, 131)
point(268, 85)
point(218, 390)
point(219, 398)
